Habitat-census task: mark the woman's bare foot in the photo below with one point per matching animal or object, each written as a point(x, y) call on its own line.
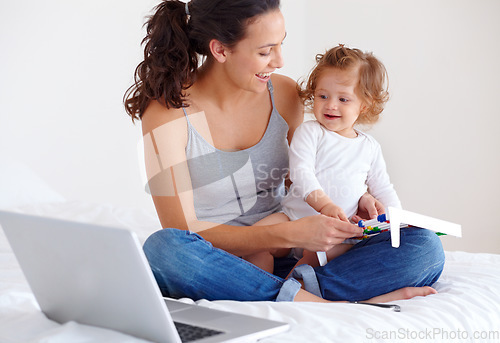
point(403, 293)
point(399, 294)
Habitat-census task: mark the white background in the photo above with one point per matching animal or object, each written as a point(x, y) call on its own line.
point(64, 66)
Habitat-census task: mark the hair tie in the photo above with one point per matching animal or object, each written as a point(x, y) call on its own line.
point(186, 8)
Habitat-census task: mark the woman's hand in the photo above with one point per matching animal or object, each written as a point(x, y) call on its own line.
point(321, 233)
point(368, 208)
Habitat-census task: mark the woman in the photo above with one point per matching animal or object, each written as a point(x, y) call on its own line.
point(216, 135)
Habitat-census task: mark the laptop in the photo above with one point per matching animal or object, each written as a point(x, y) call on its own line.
point(99, 276)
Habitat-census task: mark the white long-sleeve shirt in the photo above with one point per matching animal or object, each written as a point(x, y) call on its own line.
point(344, 168)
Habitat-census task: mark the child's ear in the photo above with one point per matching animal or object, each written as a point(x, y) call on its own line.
point(364, 108)
point(218, 50)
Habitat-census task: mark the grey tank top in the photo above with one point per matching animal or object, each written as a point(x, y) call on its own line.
point(239, 187)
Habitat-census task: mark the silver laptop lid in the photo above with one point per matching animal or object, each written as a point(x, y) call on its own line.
point(59, 260)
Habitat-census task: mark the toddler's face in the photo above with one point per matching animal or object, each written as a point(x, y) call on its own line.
point(336, 103)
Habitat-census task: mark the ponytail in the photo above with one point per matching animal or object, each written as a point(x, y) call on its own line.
point(169, 61)
point(177, 35)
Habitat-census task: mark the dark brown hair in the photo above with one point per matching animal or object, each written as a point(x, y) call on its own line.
point(177, 37)
point(372, 85)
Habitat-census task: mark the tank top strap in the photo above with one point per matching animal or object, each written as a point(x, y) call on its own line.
point(271, 91)
point(187, 117)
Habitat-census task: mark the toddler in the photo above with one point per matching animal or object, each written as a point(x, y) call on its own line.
point(332, 163)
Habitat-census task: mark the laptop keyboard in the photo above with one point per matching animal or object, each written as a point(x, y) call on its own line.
point(189, 333)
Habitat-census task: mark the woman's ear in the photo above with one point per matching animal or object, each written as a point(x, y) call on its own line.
point(218, 50)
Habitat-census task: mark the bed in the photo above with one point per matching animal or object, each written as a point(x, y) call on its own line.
point(466, 309)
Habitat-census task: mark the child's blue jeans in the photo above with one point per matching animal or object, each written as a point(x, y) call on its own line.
point(186, 265)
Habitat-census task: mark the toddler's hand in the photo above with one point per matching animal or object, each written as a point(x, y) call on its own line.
point(368, 208)
point(334, 211)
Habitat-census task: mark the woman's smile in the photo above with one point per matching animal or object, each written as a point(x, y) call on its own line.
point(264, 76)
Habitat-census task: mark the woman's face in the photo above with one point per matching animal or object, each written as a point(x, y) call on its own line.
point(250, 63)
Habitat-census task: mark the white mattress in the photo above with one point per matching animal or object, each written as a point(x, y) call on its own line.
point(467, 307)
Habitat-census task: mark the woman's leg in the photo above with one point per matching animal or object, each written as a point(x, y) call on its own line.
point(373, 267)
point(186, 265)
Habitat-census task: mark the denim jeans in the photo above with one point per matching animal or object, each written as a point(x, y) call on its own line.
point(186, 265)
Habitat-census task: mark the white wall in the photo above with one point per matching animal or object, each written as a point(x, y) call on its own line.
point(64, 66)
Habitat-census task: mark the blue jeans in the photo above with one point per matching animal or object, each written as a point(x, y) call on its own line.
point(186, 265)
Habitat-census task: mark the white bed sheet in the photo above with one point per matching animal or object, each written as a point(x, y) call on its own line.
point(466, 309)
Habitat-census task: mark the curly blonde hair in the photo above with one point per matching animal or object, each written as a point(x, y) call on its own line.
point(373, 80)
